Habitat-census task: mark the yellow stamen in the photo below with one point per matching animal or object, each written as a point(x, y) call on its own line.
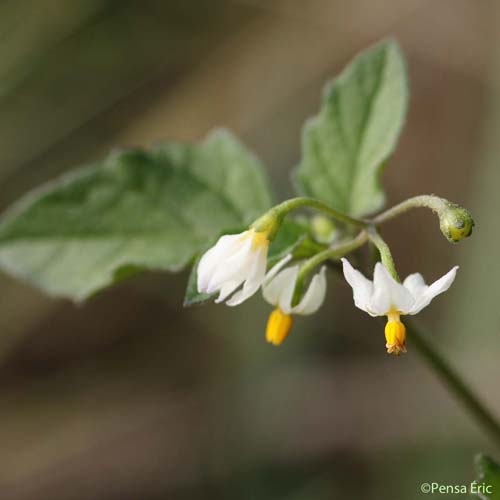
point(278, 326)
point(395, 334)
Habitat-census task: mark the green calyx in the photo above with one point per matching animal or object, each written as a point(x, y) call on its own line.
point(455, 222)
point(269, 223)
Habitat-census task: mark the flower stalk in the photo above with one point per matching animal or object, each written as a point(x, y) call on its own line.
point(434, 203)
point(334, 252)
point(455, 221)
point(384, 251)
point(249, 250)
point(271, 220)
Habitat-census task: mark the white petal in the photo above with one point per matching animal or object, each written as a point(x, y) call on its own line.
point(315, 295)
point(362, 287)
point(277, 267)
point(226, 290)
point(388, 294)
point(415, 284)
point(279, 290)
point(235, 266)
point(212, 257)
point(286, 296)
point(439, 286)
point(254, 280)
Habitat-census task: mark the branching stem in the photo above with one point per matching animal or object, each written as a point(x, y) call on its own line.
point(455, 223)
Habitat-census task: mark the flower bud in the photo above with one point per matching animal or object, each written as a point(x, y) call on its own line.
point(323, 229)
point(456, 223)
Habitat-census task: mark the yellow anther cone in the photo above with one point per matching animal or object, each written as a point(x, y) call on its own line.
point(278, 327)
point(395, 335)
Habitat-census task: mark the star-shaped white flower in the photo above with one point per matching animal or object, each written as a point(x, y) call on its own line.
point(235, 260)
point(384, 296)
point(278, 290)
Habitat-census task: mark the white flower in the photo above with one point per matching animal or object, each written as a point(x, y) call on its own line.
point(235, 260)
point(386, 297)
point(278, 290)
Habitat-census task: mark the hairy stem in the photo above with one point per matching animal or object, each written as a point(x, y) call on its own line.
point(335, 251)
point(279, 212)
point(384, 251)
point(435, 203)
point(456, 384)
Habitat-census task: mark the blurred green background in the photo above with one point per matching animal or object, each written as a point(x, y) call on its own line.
point(131, 397)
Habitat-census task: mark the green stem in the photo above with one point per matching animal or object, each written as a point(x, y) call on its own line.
point(272, 219)
point(435, 203)
point(456, 385)
point(335, 251)
point(455, 222)
point(294, 203)
point(384, 251)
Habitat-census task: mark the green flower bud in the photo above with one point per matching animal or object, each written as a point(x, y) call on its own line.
point(456, 223)
point(323, 229)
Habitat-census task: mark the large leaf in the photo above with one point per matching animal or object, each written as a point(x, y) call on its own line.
point(135, 210)
point(345, 147)
point(487, 484)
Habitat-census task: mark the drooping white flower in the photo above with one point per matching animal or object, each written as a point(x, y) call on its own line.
point(384, 296)
point(278, 290)
point(235, 260)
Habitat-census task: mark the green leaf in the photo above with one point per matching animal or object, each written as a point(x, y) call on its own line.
point(140, 209)
point(289, 237)
point(345, 147)
point(488, 478)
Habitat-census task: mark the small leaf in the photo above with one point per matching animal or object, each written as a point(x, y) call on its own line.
point(487, 484)
point(141, 209)
point(289, 237)
point(345, 147)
